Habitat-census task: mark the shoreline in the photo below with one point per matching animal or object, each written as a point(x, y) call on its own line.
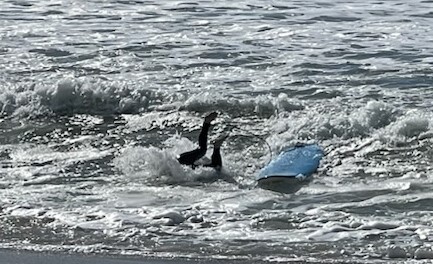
point(16, 256)
point(23, 256)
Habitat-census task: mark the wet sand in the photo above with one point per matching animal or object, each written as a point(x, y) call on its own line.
point(29, 257)
point(10, 256)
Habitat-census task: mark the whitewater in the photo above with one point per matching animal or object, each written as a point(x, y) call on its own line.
point(97, 98)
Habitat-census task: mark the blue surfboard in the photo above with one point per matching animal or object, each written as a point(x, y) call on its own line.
point(291, 169)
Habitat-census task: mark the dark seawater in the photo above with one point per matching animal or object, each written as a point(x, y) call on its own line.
point(98, 97)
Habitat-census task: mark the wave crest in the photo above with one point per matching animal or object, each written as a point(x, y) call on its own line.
point(262, 105)
point(70, 96)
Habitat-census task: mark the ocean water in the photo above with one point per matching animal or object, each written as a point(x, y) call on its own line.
point(98, 97)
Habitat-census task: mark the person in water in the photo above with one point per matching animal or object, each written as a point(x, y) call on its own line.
point(191, 157)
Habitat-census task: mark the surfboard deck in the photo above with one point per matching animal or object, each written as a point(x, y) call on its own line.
point(291, 169)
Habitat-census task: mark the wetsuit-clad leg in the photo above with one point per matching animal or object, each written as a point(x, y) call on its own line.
point(216, 161)
point(190, 157)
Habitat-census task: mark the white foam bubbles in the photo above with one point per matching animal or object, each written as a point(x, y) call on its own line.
point(158, 120)
point(150, 164)
point(41, 154)
point(75, 95)
point(261, 105)
point(376, 120)
point(95, 96)
point(155, 165)
point(317, 125)
point(412, 124)
point(375, 114)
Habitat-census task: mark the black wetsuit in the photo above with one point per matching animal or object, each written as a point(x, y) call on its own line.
point(190, 157)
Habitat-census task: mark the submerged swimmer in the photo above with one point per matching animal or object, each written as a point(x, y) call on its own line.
point(191, 157)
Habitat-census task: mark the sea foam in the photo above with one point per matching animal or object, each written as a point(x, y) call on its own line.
point(74, 96)
point(156, 165)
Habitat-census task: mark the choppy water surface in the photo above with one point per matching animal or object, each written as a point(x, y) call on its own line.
point(98, 97)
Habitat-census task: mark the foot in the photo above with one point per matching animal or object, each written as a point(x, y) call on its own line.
point(219, 141)
point(210, 117)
